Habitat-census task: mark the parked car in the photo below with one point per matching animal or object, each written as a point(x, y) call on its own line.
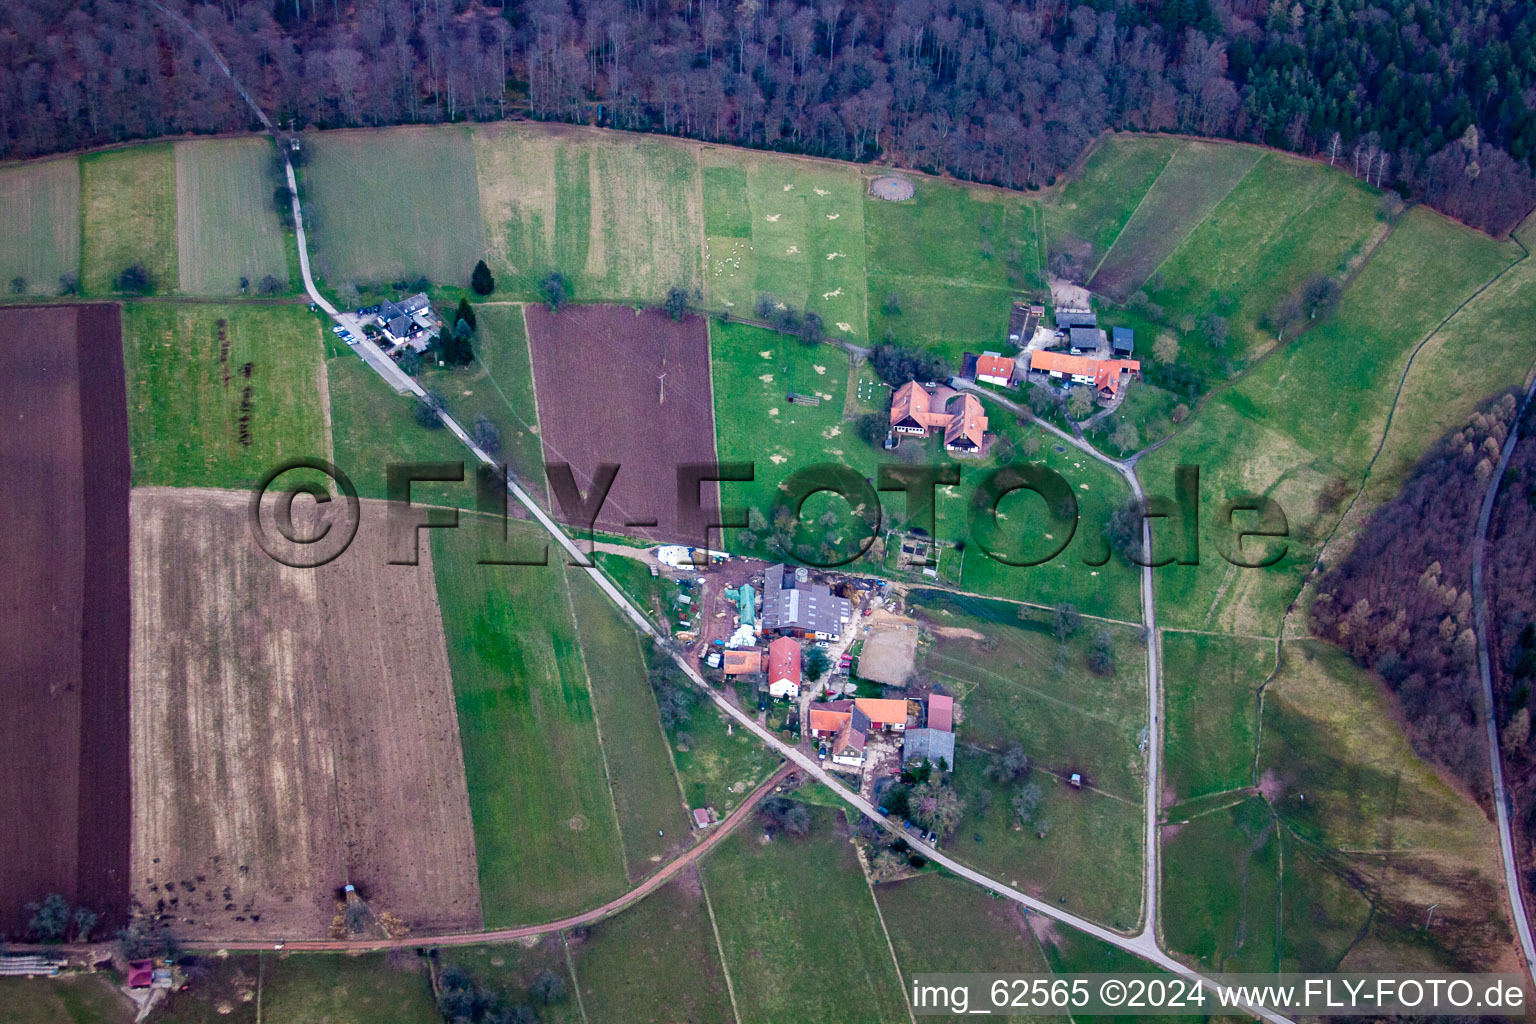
point(338, 329)
point(821, 753)
point(822, 644)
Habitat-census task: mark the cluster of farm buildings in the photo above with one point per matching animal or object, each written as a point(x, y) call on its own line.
point(1091, 358)
point(796, 610)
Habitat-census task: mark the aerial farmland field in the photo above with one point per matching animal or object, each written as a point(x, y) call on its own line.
point(618, 215)
point(227, 229)
point(1212, 704)
point(40, 216)
point(64, 630)
point(128, 217)
point(393, 206)
point(337, 760)
point(1095, 206)
point(219, 395)
point(1191, 184)
point(532, 756)
point(644, 403)
point(801, 934)
point(796, 232)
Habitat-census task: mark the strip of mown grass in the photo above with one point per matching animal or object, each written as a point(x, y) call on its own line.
point(218, 396)
point(1095, 207)
point(40, 220)
point(656, 961)
point(619, 216)
point(798, 925)
point(1287, 220)
point(1308, 422)
point(227, 229)
point(645, 789)
point(393, 205)
point(1210, 686)
point(546, 836)
point(128, 216)
point(1197, 178)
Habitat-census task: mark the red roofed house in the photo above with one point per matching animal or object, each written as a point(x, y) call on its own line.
point(992, 368)
point(1105, 375)
point(917, 410)
point(941, 712)
point(141, 973)
point(743, 661)
point(849, 723)
point(784, 667)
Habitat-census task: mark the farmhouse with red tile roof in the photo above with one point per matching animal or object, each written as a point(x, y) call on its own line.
point(917, 409)
point(784, 667)
point(1107, 376)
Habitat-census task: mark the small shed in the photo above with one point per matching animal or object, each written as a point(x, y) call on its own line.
point(1124, 341)
point(941, 712)
point(141, 973)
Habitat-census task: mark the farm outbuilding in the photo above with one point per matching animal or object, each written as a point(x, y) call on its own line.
point(931, 745)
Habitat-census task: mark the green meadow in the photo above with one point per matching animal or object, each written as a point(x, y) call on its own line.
point(128, 217)
point(228, 234)
point(219, 395)
point(40, 218)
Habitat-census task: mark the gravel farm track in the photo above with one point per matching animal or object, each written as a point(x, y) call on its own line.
point(624, 410)
point(64, 477)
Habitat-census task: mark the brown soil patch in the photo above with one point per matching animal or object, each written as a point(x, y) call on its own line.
point(63, 612)
point(889, 651)
point(293, 730)
point(602, 399)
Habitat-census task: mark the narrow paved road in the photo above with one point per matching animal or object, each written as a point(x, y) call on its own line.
point(651, 884)
point(1151, 871)
point(1495, 762)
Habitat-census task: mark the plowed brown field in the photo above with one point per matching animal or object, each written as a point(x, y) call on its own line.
point(63, 612)
point(598, 372)
point(293, 731)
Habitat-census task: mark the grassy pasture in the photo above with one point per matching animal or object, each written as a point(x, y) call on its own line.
point(187, 391)
point(1197, 178)
point(645, 788)
point(1211, 684)
point(1329, 733)
point(806, 242)
point(40, 219)
point(1002, 667)
point(799, 928)
point(1312, 413)
point(1221, 888)
point(953, 258)
point(940, 924)
point(533, 762)
point(718, 762)
point(1095, 206)
point(128, 216)
point(80, 999)
point(226, 227)
point(1288, 219)
point(656, 961)
point(755, 423)
point(620, 216)
point(393, 205)
point(306, 989)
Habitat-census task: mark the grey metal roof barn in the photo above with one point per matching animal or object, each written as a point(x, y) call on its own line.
point(1084, 339)
point(1068, 318)
point(1124, 340)
point(790, 606)
point(929, 744)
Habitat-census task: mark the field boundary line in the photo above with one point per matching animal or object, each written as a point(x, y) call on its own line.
point(725, 968)
point(597, 726)
point(570, 965)
point(1136, 209)
point(1208, 213)
point(869, 887)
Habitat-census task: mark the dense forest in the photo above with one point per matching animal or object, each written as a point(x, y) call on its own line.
point(1511, 562)
point(1401, 601)
point(1433, 98)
